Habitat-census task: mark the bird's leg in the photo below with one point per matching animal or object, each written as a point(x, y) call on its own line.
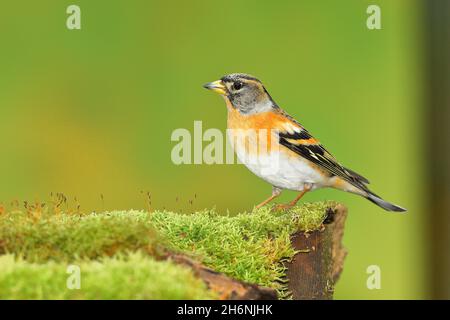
point(307, 187)
point(275, 193)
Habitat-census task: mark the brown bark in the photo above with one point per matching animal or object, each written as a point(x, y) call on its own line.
point(315, 269)
point(226, 287)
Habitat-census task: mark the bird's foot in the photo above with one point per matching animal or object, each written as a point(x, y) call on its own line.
point(282, 207)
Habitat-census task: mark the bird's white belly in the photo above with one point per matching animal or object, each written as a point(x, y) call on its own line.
point(281, 170)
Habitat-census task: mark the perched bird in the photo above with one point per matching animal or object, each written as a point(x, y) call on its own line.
point(285, 155)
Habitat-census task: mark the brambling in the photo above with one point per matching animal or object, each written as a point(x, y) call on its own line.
point(302, 163)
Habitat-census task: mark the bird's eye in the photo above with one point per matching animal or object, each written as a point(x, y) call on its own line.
point(237, 85)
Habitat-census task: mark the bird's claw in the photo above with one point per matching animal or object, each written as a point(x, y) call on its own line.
point(282, 207)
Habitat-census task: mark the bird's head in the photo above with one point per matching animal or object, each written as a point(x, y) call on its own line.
point(244, 92)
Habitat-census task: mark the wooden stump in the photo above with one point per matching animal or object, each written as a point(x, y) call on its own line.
point(311, 274)
point(314, 271)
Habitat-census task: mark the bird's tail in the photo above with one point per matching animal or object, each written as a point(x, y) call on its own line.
point(383, 204)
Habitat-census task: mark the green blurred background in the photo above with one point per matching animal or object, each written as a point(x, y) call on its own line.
point(91, 111)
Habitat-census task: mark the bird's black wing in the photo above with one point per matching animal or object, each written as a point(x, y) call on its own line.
point(303, 143)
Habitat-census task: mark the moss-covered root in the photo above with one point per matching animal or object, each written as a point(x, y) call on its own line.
point(133, 277)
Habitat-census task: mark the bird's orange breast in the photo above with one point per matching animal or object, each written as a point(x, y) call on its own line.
point(263, 120)
point(258, 130)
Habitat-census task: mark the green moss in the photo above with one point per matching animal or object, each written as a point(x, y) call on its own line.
point(133, 277)
point(248, 246)
point(68, 237)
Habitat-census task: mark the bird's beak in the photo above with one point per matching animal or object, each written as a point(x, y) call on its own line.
point(216, 86)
